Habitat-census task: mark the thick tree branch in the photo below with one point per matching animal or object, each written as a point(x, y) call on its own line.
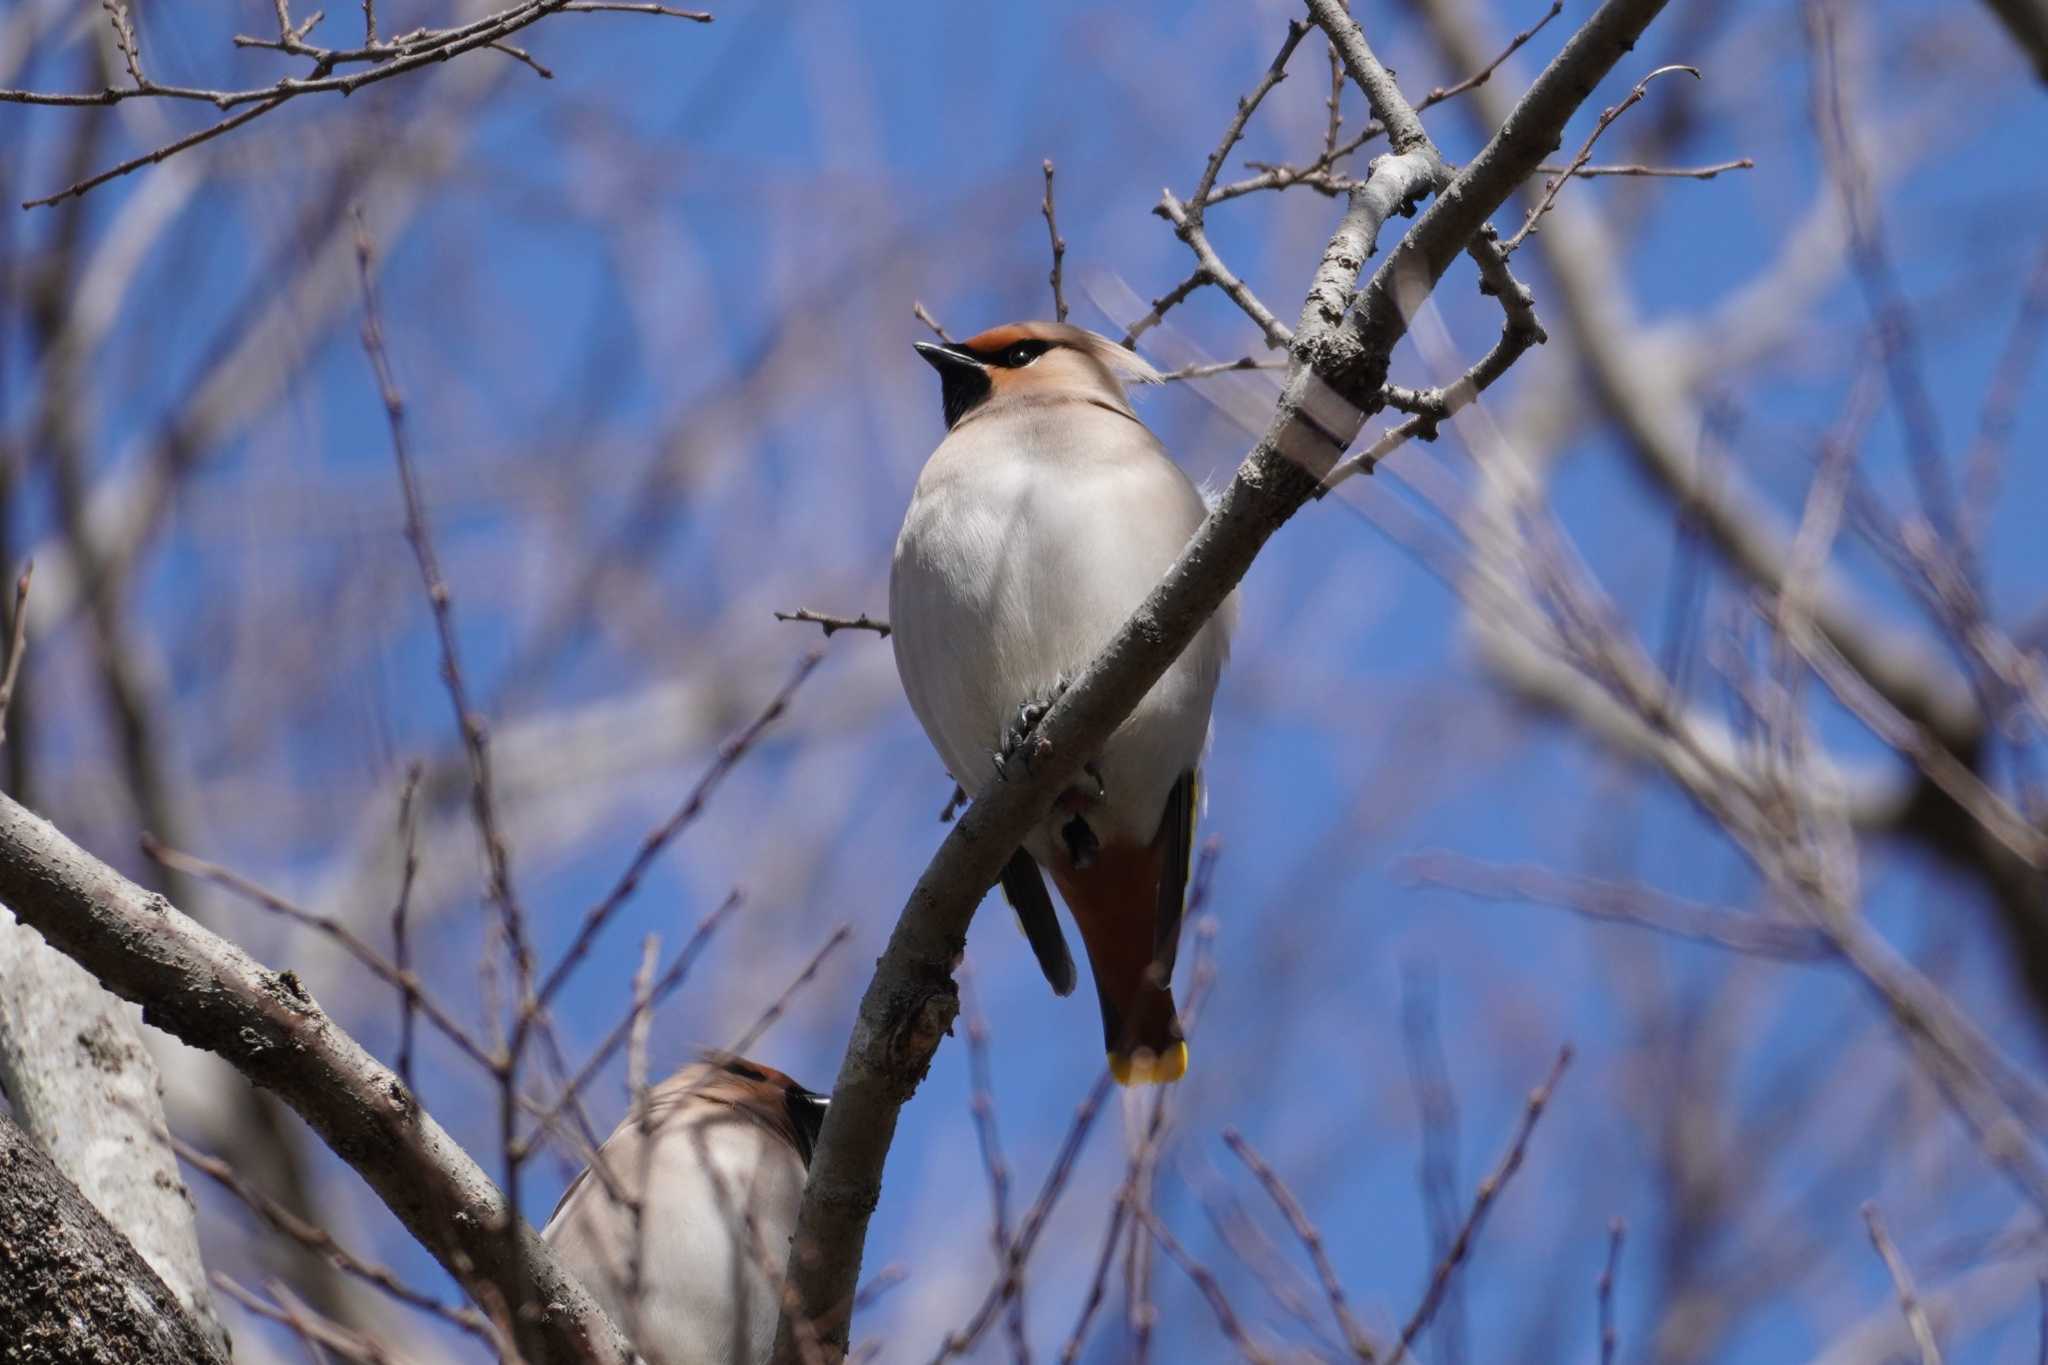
point(911, 1001)
point(71, 1287)
point(209, 993)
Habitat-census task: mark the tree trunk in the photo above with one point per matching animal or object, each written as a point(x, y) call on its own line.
point(73, 1291)
point(87, 1091)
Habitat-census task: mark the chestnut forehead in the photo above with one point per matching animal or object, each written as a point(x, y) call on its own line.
point(725, 1071)
point(754, 1071)
point(996, 338)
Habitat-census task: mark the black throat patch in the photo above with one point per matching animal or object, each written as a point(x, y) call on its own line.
point(963, 388)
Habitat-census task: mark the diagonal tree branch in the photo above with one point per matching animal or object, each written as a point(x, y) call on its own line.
point(1333, 385)
point(204, 990)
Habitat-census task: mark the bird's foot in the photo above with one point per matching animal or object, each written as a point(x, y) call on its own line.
point(1019, 744)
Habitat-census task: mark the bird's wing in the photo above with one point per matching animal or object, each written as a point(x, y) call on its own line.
point(1176, 841)
point(1024, 889)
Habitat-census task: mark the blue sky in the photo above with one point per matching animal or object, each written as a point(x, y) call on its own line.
point(618, 248)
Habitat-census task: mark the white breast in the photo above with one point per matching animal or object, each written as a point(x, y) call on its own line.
point(1032, 536)
point(722, 1211)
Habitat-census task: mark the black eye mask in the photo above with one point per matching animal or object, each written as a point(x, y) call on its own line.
point(963, 371)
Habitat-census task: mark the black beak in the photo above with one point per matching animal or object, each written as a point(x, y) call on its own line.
point(948, 360)
point(963, 377)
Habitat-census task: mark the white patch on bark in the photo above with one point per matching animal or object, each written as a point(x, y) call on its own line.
point(86, 1089)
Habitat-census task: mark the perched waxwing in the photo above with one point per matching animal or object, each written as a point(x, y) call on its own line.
point(718, 1160)
point(1039, 524)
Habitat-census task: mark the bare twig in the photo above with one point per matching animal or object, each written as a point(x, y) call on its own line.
point(404, 981)
point(314, 1330)
point(1185, 223)
point(1902, 1281)
point(401, 942)
point(1891, 318)
point(728, 757)
point(1010, 1274)
point(475, 738)
point(169, 149)
point(1205, 1281)
point(1137, 1169)
point(1610, 1340)
point(1247, 105)
point(1098, 1284)
point(1608, 115)
point(1317, 172)
point(981, 1104)
point(840, 936)
point(322, 1242)
point(1256, 1252)
point(830, 624)
point(524, 58)
point(1671, 172)
point(17, 645)
point(382, 61)
point(511, 921)
point(1622, 902)
point(124, 39)
point(923, 315)
point(1163, 305)
point(1519, 331)
point(1059, 249)
point(1187, 218)
point(1207, 368)
point(671, 977)
point(1334, 129)
point(1439, 94)
point(1489, 1191)
point(1311, 1240)
point(695, 16)
point(638, 1025)
point(1437, 1111)
point(1984, 464)
point(1404, 129)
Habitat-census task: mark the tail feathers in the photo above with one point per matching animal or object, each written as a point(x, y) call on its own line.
point(1151, 1050)
point(1147, 1068)
point(1112, 901)
point(1025, 891)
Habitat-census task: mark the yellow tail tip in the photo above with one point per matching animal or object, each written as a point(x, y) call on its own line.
point(1145, 1067)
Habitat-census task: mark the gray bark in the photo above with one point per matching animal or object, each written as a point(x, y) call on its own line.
point(73, 1291)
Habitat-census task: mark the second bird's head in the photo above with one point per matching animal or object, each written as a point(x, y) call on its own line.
point(1024, 359)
